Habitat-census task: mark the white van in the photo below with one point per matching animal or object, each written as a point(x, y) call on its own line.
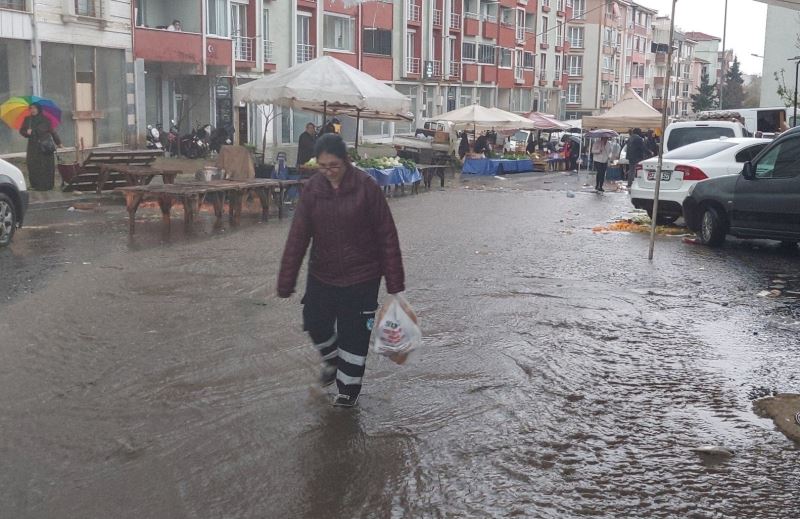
point(681, 134)
point(765, 120)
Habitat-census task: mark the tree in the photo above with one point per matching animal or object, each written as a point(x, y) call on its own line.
point(785, 92)
point(706, 96)
point(733, 92)
point(752, 92)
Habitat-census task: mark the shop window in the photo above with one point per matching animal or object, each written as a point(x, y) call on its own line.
point(58, 66)
point(15, 80)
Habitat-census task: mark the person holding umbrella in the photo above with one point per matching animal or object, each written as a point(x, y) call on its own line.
point(40, 154)
point(602, 154)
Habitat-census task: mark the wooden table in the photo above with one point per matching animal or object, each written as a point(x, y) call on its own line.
point(135, 175)
point(192, 195)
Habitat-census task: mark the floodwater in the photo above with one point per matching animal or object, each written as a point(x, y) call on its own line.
point(562, 375)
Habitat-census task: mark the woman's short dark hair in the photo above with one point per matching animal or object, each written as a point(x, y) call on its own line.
point(332, 144)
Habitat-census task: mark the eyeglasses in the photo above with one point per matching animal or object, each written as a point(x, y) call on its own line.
point(333, 168)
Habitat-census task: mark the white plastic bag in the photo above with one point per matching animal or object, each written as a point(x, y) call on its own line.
point(396, 333)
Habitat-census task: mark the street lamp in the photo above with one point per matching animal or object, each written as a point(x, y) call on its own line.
point(796, 59)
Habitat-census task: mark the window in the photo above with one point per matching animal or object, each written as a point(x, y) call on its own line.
point(750, 153)
point(507, 16)
point(576, 37)
point(574, 93)
point(560, 33)
point(86, 8)
point(578, 9)
point(15, 77)
point(682, 136)
point(558, 65)
point(378, 41)
point(575, 65)
point(545, 23)
point(699, 150)
point(505, 58)
point(338, 33)
point(542, 66)
point(486, 54)
point(527, 60)
point(608, 63)
point(15, 5)
point(782, 161)
point(468, 50)
point(217, 22)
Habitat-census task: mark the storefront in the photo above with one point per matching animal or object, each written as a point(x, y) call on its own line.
point(15, 80)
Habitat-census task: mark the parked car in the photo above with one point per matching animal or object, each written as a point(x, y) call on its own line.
point(13, 201)
point(681, 134)
point(686, 166)
point(761, 202)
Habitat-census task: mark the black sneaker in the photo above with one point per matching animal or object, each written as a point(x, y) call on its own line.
point(345, 401)
point(327, 375)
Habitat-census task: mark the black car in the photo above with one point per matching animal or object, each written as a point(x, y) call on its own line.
point(762, 202)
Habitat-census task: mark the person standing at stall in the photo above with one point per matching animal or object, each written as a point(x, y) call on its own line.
point(40, 153)
point(305, 144)
point(354, 244)
point(635, 153)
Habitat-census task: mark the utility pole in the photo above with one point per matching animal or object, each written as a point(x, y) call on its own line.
point(721, 77)
point(663, 128)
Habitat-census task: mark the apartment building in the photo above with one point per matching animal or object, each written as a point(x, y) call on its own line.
point(608, 49)
point(77, 53)
point(782, 31)
point(674, 92)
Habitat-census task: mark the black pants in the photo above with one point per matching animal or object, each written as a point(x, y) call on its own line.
point(601, 174)
point(339, 321)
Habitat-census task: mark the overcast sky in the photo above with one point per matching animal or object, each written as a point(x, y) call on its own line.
point(746, 21)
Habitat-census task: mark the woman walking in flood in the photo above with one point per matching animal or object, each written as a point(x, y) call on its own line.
point(344, 215)
point(40, 154)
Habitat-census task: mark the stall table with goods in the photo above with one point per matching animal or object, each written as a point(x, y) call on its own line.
point(386, 171)
point(504, 166)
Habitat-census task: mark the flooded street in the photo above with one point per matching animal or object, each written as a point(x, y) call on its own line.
point(562, 374)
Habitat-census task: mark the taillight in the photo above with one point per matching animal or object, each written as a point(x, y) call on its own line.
point(691, 173)
point(639, 169)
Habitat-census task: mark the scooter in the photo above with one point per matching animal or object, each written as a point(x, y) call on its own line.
point(194, 145)
point(153, 137)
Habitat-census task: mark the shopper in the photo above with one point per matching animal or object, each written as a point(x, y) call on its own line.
point(635, 153)
point(344, 215)
point(40, 154)
point(601, 152)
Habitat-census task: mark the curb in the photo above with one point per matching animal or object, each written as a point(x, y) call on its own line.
point(67, 202)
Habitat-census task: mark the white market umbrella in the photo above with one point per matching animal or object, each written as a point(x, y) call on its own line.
point(629, 112)
point(789, 4)
point(480, 116)
point(329, 86)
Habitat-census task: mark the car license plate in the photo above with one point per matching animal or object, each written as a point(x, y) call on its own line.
point(665, 175)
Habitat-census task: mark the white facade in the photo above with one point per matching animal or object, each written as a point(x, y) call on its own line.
point(781, 43)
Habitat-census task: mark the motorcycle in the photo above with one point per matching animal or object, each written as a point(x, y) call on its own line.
point(195, 144)
point(153, 136)
point(220, 137)
point(173, 139)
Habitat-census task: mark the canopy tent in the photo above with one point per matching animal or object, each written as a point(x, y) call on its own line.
point(331, 87)
point(789, 4)
point(477, 116)
point(630, 112)
point(542, 121)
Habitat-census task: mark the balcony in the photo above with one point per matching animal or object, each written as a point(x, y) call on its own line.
point(268, 54)
point(412, 66)
point(437, 17)
point(305, 52)
point(455, 70)
point(455, 21)
point(168, 46)
point(414, 13)
point(436, 67)
point(520, 33)
point(244, 48)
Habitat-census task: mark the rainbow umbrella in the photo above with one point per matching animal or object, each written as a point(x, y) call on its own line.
point(14, 111)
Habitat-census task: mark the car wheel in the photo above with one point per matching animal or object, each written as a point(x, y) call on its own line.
point(8, 220)
point(712, 228)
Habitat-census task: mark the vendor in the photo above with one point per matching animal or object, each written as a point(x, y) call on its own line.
point(305, 144)
point(482, 145)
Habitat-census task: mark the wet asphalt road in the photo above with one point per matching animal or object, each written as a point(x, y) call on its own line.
point(562, 374)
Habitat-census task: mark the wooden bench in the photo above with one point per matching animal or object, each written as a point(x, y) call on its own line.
point(87, 176)
point(192, 195)
point(135, 175)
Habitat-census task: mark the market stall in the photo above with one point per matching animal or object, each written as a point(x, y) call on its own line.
point(492, 167)
point(386, 171)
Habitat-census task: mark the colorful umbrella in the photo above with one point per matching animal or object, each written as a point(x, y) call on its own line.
point(14, 111)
